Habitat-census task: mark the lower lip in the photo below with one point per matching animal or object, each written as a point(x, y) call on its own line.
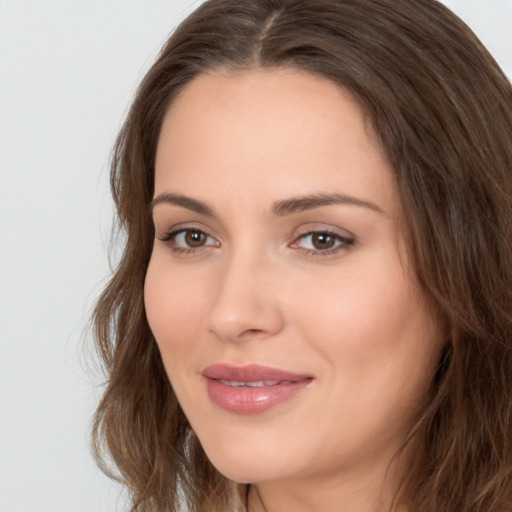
point(252, 400)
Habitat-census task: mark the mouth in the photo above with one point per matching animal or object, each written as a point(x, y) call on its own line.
point(251, 389)
point(254, 384)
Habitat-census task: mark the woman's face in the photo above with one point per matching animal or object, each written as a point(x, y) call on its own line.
point(279, 292)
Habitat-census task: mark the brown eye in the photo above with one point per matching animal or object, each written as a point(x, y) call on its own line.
point(188, 240)
point(322, 241)
point(195, 238)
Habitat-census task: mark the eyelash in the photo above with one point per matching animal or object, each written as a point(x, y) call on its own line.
point(170, 238)
point(344, 243)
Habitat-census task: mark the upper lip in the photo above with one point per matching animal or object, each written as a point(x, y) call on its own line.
point(251, 373)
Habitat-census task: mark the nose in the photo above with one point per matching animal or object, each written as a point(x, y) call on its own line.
point(246, 300)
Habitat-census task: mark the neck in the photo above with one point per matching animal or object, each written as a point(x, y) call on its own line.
point(325, 494)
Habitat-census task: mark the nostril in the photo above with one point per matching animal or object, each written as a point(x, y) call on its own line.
point(251, 333)
point(243, 310)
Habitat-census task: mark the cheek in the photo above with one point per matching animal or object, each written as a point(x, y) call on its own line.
point(377, 338)
point(173, 308)
point(371, 325)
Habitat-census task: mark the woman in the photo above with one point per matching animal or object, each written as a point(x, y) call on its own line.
point(313, 309)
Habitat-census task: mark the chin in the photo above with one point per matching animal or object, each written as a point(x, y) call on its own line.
point(245, 472)
point(248, 463)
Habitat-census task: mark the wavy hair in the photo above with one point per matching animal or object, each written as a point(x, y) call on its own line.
point(442, 110)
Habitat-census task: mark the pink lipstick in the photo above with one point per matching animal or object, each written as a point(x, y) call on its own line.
point(251, 389)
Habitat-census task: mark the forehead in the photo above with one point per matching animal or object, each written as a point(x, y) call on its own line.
point(273, 132)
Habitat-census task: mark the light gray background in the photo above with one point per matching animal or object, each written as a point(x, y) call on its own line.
point(67, 72)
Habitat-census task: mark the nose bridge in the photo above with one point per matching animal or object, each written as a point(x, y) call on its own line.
point(245, 302)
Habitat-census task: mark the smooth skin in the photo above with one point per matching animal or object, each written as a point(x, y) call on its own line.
point(251, 272)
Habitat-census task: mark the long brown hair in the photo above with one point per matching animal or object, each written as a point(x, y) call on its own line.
point(442, 110)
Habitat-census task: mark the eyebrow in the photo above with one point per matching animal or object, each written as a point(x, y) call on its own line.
point(184, 202)
point(279, 209)
point(308, 202)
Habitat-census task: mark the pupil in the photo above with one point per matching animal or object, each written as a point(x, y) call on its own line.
point(194, 238)
point(323, 241)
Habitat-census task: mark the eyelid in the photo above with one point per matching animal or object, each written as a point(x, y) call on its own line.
point(343, 243)
point(172, 229)
point(170, 235)
point(320, 227)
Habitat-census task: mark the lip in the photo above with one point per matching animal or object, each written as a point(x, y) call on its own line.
point(253, 388)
